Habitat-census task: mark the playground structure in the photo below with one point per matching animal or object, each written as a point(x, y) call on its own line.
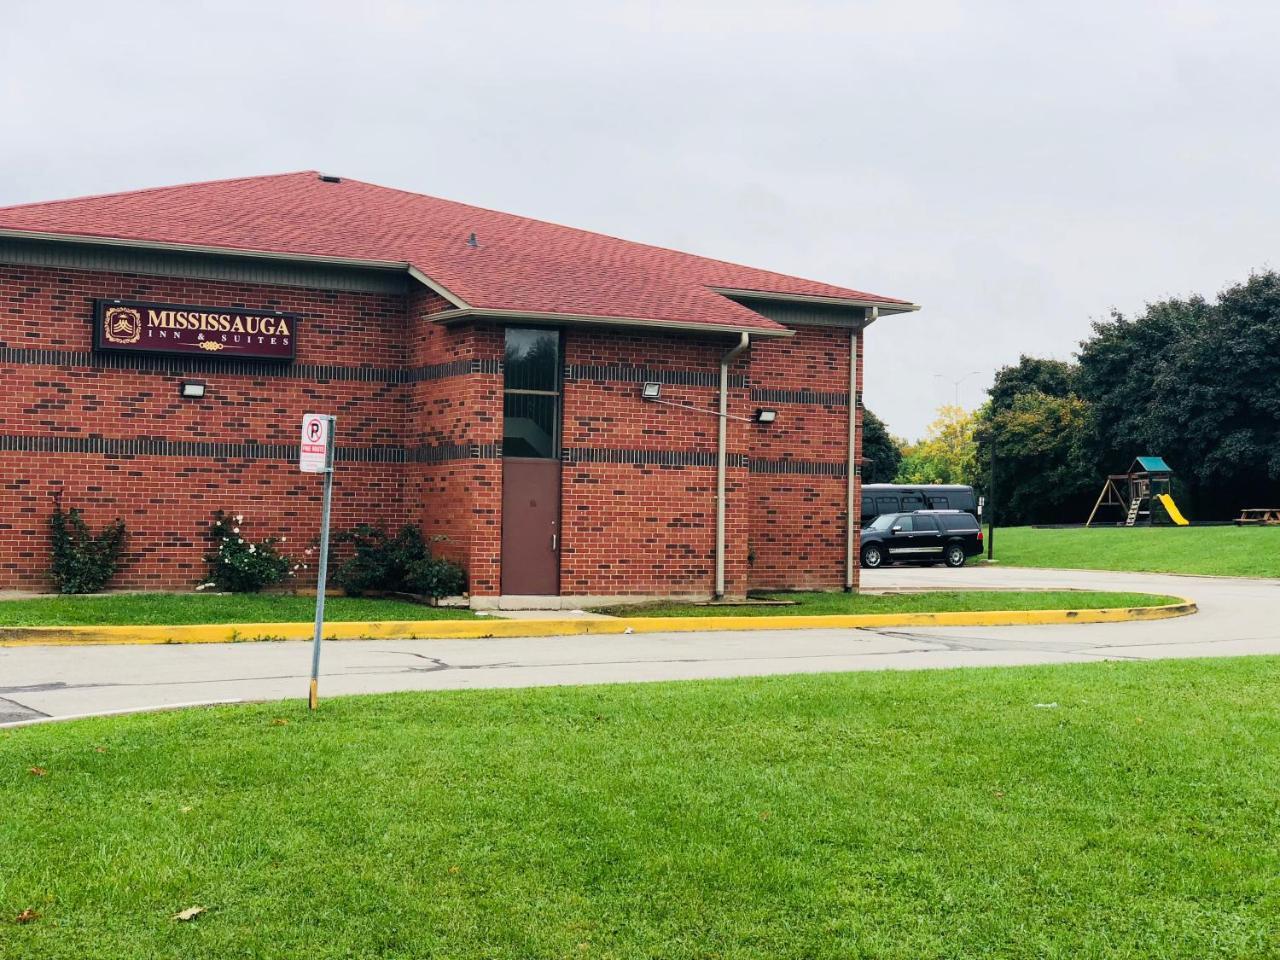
point(1147, 481)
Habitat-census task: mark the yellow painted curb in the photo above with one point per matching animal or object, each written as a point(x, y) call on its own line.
point(489, 628)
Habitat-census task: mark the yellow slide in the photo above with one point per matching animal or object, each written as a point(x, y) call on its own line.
point(1172, 509)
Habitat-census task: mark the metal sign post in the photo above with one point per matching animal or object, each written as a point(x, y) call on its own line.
point(316, 456)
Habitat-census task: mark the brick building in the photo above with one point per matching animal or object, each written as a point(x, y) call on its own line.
point(488, 374)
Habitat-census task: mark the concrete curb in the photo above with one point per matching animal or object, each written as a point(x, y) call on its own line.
point(488, 629)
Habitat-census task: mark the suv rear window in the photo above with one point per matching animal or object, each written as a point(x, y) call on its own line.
point(958, 521)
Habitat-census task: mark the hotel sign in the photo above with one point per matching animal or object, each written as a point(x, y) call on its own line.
point(132, 326)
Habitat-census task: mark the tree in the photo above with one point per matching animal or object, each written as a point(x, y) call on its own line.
point(1052, 378)
point(881, 454)
point(1197, 383)
point(947, 454)
point(1043, 469)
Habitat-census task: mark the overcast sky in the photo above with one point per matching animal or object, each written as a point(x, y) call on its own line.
point(1017, 168)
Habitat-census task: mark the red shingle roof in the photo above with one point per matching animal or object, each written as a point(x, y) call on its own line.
point(518, 263)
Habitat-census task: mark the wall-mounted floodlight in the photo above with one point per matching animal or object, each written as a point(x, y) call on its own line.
point(765, 415)
point(192, 389)
point(651, 390)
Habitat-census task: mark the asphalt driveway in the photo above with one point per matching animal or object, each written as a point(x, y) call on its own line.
point(1237, 617)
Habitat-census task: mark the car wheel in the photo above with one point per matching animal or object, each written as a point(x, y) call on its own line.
point(872, 557)
point(955, 555)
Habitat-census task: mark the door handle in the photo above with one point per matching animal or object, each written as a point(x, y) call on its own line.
point(555, 539)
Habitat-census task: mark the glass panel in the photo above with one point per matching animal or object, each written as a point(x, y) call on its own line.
point(939, 503)
point(887, 504)
point(532, 360)
point(902, 524)
point(913, 502)
point(529, 425)
point(926, 525)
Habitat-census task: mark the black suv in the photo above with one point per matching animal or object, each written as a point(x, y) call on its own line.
point(925, 536)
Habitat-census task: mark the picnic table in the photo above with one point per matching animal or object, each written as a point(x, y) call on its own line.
point(1259, 516)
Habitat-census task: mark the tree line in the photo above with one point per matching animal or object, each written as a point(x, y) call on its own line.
point(1194, 381)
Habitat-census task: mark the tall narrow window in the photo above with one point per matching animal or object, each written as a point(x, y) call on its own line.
point(531, 394)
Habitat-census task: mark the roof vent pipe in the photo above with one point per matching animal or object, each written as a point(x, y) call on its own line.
point(329, 178)
point(472, 241)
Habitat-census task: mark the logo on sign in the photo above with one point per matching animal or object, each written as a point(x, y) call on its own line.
point(122, 325)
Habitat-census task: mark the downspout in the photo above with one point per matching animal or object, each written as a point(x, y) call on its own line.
point(853, 522)
point(722, 456)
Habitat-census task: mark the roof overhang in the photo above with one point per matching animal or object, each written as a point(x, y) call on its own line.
point(463, 310)
point(884, 307)
point(591, 320)
point(353, 263)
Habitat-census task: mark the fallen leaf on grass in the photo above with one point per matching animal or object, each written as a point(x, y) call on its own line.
point(279, 722)
point(26, 916)
point(99, 749)
point(37, 771)
point(184, 809)
point(189, 914)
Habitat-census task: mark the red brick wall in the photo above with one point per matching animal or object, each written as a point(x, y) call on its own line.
point(167, 500)
point(628, 527)
point(798, 518)
point(649, 528)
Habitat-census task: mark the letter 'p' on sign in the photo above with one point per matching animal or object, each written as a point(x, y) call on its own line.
point(315, 455)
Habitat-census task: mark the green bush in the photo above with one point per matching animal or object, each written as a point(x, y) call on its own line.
point(83, 562)
point(435, 577)
point(378, 561)
point(238, 565)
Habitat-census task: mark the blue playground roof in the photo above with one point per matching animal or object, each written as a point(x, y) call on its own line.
point(1153, 465)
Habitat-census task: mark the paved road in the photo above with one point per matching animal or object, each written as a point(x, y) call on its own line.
point(1237, 617)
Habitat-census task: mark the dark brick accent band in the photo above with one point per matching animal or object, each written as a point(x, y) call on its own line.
point(660, 458)
point(445, 452)
point(246, 368)
point(197, 449)
point(761, 395)
point(616, 373)
point(811, 468)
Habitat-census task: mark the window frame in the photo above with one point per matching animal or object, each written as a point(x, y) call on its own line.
point(557, 428)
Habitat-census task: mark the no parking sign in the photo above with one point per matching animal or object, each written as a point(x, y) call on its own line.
point(314, 455)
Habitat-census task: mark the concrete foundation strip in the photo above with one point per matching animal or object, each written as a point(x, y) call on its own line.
point(488, 629)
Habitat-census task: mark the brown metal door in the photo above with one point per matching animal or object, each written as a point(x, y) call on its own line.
point(530, 527)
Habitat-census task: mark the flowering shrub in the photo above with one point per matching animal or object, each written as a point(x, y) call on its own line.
point(239, 565)
point(83, 562)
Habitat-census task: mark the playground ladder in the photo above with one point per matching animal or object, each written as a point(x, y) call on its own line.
point(1134, 506)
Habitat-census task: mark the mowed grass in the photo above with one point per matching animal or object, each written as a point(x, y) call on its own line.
point(1113, 809)
point(933, 601)
point(133, 609)
point(1219, 551)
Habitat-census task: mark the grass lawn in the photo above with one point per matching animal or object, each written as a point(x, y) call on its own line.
point(1222, 551)
point(809, 604)
point(1112, 809)
point(175, 608)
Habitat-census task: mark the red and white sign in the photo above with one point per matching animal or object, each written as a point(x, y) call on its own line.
point(313, 455)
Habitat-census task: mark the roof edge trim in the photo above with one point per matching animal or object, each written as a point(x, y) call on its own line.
point(432, 285)
point(592, 320)
point(390, 266)
point(92, 240)
point(885, 306)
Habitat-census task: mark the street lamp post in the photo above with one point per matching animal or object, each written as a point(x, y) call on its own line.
point(991, 502)
point(956, 383)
